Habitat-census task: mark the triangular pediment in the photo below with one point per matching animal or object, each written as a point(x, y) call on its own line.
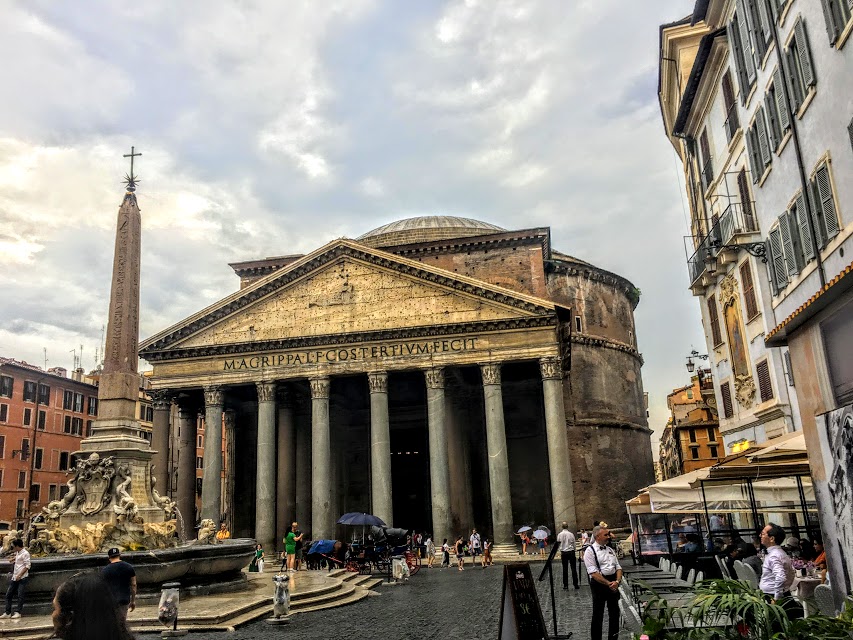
point(346, 288)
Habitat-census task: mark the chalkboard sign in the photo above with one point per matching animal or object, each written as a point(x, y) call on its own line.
point(521, 615)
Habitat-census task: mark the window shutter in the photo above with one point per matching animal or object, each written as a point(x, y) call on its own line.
point(765, 388)
point(743, 30)
point(714, 319)
point(737, 54)
point(766, 21)
point(745, 201)
point(802, 221)
point(763, 142)
point(850, 126)
point(794, 79)
point(772, 119)
point(814, 201)
point(789, 369)
point(777, 257)
point(806, 66)
point(781, 105)
point(754, 164)
point(831, 27)
point(726, 393)
point(771, 270)
point(827, 203)
point(790, 244)
point(748, 290)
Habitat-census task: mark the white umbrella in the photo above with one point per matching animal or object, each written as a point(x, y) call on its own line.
point(540, 535)
point(544, 528)
point(523, 529)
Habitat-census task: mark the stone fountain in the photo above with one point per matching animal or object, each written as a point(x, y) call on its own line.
point(112, 500)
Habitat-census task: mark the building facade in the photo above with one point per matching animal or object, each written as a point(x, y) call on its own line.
point(440, 372)
point(43, 417)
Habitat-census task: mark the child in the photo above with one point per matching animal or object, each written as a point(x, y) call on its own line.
point(445, 551)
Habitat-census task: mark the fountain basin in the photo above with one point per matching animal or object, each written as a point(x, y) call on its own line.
point(189, 564)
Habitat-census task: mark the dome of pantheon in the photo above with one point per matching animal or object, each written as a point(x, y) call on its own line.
point(426, 229)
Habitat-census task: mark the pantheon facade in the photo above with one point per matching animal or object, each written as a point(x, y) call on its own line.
point(440, 372)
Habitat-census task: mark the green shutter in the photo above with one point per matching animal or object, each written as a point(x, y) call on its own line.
point(817, 225)
point(831, 27)
point(827, 203)
point(777, 257)
point(772, 121)
point(771, 263)
point(793, 77)
point(763, 142)
point(802, 221)
point(806, 66)
point(850, 126)
point(781, 104)
point(766, 22)
point(788, 247)
point(746, 48)
point(750, 152)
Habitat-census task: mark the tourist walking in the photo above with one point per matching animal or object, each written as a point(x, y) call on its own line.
point(460, 553)
point(487, 553)
point(84, 609)
point(566, 540)
point(474, 546)
point(605, 575)
point(445, 554)
point(542, 541)
point(121, 578)
point(18, 582)
point(430, 551)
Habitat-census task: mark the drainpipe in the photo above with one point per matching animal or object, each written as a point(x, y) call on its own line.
point(690, 146)
point(797, 150)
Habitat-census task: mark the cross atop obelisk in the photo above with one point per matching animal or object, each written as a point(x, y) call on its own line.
point(130, 179)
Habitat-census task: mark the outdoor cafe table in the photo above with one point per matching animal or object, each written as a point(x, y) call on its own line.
point(803, 587)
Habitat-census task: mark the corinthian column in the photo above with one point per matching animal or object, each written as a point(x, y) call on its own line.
point(562, 492)
point(265, 473)
point(439, 469)
point(162, 403)
point(211, 483)
point(498, 461)
point(187, 430)
point(322, 518)
point(286, 469)
point(380, 448)
point(230, 455)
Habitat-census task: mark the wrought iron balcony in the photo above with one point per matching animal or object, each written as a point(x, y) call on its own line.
point(737, 220)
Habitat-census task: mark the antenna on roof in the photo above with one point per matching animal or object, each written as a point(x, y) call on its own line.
point(45, 358)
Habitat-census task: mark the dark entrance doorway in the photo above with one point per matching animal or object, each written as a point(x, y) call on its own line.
point(409, 450)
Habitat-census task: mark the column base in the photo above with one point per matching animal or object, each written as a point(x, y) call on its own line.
point(504, 550)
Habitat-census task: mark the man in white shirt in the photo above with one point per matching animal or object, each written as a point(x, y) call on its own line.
point(18, 581)
point(566, 540)
point(605, 575)
point(475, 546)
point(777, 574)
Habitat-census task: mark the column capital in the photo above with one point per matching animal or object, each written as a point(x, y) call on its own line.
point(434, 378)
point(230, 418)
point(551, 368)
point(491, 373)
point(319, 388)
point(213, 396)
point(161, 399)
point(378, 381)
point(266, 391)
point(284, 395)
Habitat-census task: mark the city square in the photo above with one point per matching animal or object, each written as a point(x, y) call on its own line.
point(391, 290)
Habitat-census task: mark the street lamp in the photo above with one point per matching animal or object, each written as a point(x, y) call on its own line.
point(691, 366)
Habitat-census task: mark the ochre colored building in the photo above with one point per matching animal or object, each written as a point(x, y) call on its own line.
point(692, 437)
point(440, 372)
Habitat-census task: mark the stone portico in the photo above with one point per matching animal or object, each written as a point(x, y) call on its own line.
point(356, 379)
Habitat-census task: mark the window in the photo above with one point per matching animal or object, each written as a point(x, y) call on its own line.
point(578, 324)
point(738, 31)
point(198, 486)
point(823, 204)
point(732, 123)
point(88, 428)
point(758, 145)
point(19, 509)
point(44, 394)
point(694, 453)
point(7, 384)
point(759, 26)
point(200, 442)
point(25, 449)
point(42, 420)
point(68, 400)
point(64, 457)
point(35, 493)
point(1, 478)
point(2, 446)
point(29, 391)
point(692, 433)
point(801, 76)
point(778, 114)
point(707, 169)
point(92, 408)
point(713, 450)
point(789, 373)
point(28, 417)
point(67, 426)
point(837, 15)
point(765, 389)
point(22, 479)
point(712, 437)
point(51, 493)
point(78, 402)
point(726, 393)
point(748, 290)
point(850, 132)
point(746, 202)
point(714, 319)
point(4, 412)
point(690, 394)
point(39, 458)
point(199, 462)
point(77, 426)
point(776, 263)
point(149, 414)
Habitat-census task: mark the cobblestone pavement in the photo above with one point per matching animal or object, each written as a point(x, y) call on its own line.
point(436, 603)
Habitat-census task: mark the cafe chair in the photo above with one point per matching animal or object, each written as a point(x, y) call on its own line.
point(823, 599)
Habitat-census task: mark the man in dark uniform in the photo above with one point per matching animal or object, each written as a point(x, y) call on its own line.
point(121, 577)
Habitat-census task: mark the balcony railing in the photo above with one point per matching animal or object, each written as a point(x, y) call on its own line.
point(737, 219)
point(732, 123)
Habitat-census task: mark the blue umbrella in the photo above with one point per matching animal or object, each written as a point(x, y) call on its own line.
point(523, 529)
point(363, 519)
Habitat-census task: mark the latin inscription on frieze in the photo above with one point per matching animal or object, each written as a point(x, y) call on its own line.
point(350, 354)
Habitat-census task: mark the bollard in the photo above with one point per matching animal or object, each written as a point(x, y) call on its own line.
point(280, 600)
point(167, 611)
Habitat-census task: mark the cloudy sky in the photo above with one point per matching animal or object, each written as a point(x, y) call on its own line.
point(273, 127)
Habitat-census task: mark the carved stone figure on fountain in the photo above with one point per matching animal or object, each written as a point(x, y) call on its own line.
point(207, 532)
